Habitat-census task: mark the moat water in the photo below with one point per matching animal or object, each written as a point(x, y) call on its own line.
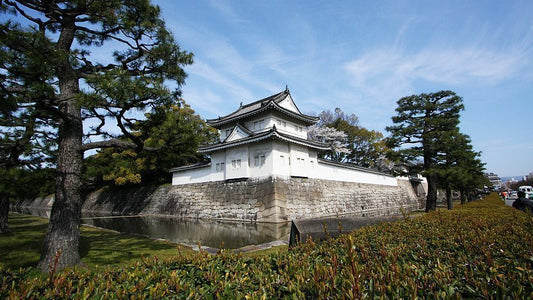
point(212, 233)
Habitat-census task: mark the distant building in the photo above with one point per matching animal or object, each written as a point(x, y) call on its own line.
point(529, 176)
point(494, 180)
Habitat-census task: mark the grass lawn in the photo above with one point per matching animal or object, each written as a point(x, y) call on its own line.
point(98, 247)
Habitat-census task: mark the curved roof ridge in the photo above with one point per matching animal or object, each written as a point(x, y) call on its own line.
point(261, 105)
point(275, 97)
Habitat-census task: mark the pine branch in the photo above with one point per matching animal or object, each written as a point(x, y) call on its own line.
point(116, 143)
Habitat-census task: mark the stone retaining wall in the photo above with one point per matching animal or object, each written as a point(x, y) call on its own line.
point(264, 200)
point(329, 198)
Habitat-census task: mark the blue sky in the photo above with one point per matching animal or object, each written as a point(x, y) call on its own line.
point(362, 56)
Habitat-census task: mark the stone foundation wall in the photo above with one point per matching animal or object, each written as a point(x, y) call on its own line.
point(243, 200)
point(320, 198)
point(264, 200)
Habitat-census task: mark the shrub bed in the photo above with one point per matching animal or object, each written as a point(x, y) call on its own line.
point(480, 250)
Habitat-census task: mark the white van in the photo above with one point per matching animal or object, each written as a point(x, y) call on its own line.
point(527, 189)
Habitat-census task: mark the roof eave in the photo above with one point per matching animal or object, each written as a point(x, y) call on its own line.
point(273, 133)
point(353, 167)
point(190, 167)
point(310, 120)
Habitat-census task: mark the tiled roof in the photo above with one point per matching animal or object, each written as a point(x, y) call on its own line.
point(190, 167)
point(271, 102)
point(273, 133)
point(352, 166)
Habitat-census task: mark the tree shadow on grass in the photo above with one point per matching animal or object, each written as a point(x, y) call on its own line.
point(22, 247)
point(100, 247)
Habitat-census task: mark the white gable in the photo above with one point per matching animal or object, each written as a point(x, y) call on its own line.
point(236, 134)
point(288, 103)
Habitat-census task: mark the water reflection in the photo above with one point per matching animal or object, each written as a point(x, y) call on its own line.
point(231, 235)
point(207, 233)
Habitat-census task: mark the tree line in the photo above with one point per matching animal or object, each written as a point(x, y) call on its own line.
point(60, 103)
point(425, 139)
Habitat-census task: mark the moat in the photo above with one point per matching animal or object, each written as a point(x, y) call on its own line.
point(193, 232)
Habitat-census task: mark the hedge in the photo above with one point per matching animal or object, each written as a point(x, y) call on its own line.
point(480, 250)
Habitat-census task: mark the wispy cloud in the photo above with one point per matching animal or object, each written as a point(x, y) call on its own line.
point(227, 11)
point(393, 71)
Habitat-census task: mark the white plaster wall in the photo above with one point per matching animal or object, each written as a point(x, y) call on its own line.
point(237, 153)
point(192, 176)
point(329, 172)
point(298, 129)
point(292, 128)
point(424, 181)
point(271, 121)
point(217, 158)
point(280, 157)
point(274, 164)
point(299, 161)
point(260, 126)
point(313, 163)
point(258, 150)
point(224, 132)
point(282, 125)
point(282, 160)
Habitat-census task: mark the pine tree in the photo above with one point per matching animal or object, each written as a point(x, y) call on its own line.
point(176, 132)
point(45, 49)
point(419, 125)
point(459, 166)
point(27, 140)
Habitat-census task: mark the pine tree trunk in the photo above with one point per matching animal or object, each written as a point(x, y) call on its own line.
point(431, 203)
point(449, 199)
point(62, 236)
point(4, 213)
point(60, 247)
point(63, 232)
point(463, 196)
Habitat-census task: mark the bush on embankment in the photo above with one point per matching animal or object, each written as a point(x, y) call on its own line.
point(480, 250)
